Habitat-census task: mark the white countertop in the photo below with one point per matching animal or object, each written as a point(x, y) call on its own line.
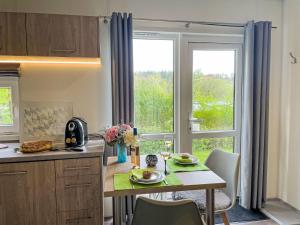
point(9, 155)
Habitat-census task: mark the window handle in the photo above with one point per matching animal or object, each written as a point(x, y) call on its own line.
point(193, 120)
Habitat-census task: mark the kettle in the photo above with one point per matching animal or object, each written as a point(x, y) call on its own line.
point(76, 134)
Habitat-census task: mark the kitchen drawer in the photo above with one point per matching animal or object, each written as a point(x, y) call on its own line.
point(78, 192)
point(77, 167)
point(81, 217)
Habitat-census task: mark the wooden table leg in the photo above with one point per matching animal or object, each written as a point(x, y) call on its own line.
point(210, 206)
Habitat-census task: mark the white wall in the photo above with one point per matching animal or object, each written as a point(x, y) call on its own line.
point(289, 179)
point(205, 10)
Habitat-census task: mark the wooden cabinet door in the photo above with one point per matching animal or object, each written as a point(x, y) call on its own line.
point(89, 36)
point(27, 194)
point(64, 35)
point(12, 34)
point(2, 33)
point(38, 34)
point(44, 193)
point(16, 194)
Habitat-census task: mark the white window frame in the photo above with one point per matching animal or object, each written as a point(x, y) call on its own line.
point(208, 42)
point(11, 132)
point(150, 35)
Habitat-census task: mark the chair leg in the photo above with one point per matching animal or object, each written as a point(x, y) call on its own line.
point(225, 218)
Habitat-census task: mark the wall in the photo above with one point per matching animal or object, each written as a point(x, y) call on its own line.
point(289, 179)
point(206, 10)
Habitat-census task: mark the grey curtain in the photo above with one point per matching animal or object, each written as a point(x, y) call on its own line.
point(121, 68)
point(122, 91)
point(255, 113)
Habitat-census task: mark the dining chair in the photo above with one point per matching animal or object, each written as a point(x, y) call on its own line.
point(154, 212)
point(226, 165)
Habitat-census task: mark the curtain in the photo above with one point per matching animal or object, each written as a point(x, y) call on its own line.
point(122, 91)
point(255, 106)
point(122, 68)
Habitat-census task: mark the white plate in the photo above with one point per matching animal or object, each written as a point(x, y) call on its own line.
point(156, 177)
point(193, 158)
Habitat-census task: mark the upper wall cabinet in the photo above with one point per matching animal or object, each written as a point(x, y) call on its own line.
point(12, 34)
point(62, 35)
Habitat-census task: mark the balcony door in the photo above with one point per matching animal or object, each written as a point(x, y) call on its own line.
point(210, 98)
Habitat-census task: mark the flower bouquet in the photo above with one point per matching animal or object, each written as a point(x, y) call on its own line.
point(122, 136)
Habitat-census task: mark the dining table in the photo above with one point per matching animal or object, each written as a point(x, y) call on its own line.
point(191, 180)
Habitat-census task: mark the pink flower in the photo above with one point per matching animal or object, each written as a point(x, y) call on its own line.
point(125, 126)
point(111, 134)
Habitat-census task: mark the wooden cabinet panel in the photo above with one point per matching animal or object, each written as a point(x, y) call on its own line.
point(38, 34)
point(44, 193)
point(77, 167)
point(77, 193)
point(16, 194)
point(2, 33)
point(16, 34)
point(82, 217)
point(27, 194)
point(12, 34)
point(89, 36)
point(62, 35)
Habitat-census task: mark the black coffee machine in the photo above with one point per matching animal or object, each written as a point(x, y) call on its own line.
point(76, 134)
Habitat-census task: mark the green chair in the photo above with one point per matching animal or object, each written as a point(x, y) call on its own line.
point(154, 212)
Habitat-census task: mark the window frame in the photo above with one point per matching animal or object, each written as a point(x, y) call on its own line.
point(150, 35)
point(11, 132)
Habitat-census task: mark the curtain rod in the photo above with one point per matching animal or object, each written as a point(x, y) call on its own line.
point(188, 22)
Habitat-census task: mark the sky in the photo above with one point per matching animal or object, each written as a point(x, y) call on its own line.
point(157, 55)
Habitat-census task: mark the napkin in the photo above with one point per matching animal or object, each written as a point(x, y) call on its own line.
point(180, 159)
point(138, 173)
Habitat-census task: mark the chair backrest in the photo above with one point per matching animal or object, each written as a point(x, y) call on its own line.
point(154, 212)
point(226, 165)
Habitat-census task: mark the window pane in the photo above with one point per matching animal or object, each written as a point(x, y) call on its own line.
point(203, 147)
point(213, 90)
point(153, 85)
point(6, 115)
point(154, 147)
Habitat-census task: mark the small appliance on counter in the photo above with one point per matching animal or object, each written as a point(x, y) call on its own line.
point(76, 134)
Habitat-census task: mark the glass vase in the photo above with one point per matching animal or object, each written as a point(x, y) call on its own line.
point(122, 153)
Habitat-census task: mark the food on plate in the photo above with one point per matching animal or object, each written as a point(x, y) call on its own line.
point(185, 156)
point(36, 146)
point(147, 174)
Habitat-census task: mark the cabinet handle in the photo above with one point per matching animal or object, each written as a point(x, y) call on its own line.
point(78, 219)
point(77, 185)
point(13, 173)
point(68, 51)
point(78, 168)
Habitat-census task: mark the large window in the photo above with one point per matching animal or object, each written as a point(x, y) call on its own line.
point(197, 110)
point(154, 91)
point(9, 114)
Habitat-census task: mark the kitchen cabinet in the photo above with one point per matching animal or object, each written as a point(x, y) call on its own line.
point(24, 190)
point(62, 35)
point(12, 34)
point(53, 191)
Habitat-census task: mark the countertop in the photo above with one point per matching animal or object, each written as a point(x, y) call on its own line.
point(9, 155)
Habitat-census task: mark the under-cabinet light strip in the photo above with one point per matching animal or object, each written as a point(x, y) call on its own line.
point(50, 60)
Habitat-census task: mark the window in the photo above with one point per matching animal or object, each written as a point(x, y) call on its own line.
point(9, 106)
point(197, 110)
point(154, 90)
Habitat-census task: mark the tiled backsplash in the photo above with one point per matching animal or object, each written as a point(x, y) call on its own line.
point(42, 120)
